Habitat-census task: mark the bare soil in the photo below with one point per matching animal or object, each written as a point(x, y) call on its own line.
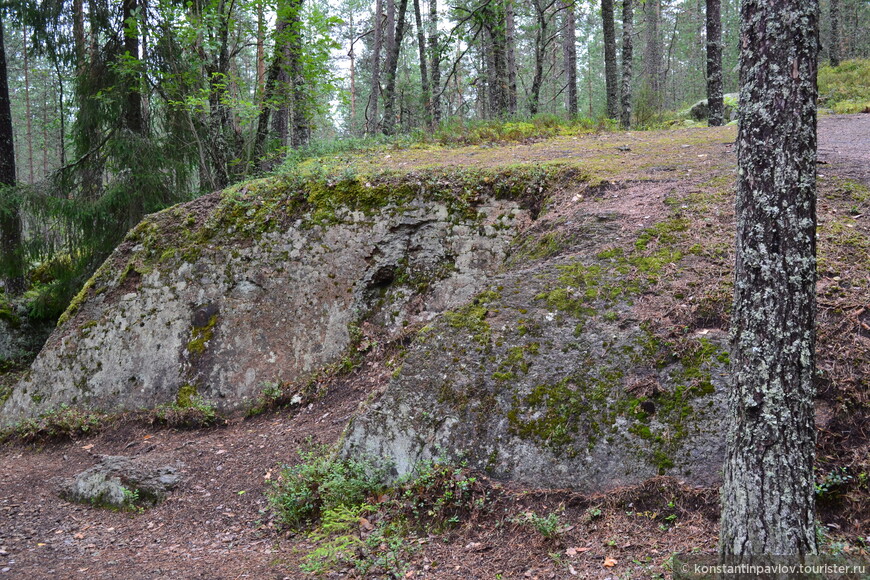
point(217, 524)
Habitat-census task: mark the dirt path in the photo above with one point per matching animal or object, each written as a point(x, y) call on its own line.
point(216, 524)
point(844, 143)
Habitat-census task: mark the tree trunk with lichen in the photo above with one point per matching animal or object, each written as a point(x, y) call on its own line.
point(11, 263)
point(715, 106)
point(612, 88)
point(768, 493)
point(627, 56)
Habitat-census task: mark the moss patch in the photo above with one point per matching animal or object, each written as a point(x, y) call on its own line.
point(201, 335)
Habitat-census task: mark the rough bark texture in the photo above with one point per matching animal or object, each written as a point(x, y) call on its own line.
point(10, 219)
point(424, 73)
point(540, 52)
point(610, 59)
point(374, 114)
point(299, 114)
point(511, 32)
point(652, 61)
point(834, 50)
point(435, 66)
point(393, 48)
point(133, 119)
point(714, 63)
point(767, 495)
point(627, 56)
point(569, 48)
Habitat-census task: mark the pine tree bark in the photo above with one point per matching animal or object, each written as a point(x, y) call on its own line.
point(540, 40)
point(11, 262)
point(627, 56)
point(299, 134)
point(569, 51)
point(768, 488)
point(373, 123)
point(426, 95)
point(133, 119)
point(27, 111)
point(715, 105)
point(834, 50)
point(393, 48)
point(610, 59)
point(435, 63)
point(652, 60)
point(510, 39)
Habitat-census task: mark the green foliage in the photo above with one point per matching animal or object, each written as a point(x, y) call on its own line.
point(321, 482)
point(846, 88)
point(359, 523)
point(833, 484)
point(541, 126)
point(62, 423)
point(190, 411)
point(549, 526)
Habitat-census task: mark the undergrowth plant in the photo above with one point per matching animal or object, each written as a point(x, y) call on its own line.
point(358, 523)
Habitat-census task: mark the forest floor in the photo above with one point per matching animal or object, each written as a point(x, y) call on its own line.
point(217, 524)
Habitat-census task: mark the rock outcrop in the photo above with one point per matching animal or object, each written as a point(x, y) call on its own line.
point(268, 283)
point(550, 378)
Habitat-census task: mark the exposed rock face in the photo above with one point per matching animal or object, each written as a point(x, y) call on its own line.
point(227, 293)
point(120, 482)
point(548, 378)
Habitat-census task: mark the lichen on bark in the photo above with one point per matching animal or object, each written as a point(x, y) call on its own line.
point(767, 495)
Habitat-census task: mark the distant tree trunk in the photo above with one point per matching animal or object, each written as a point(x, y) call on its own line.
point(435, 63)
point(11, 262)
point(714, 64)
point(424, 73)
point(652, 61)
point(261, 53)
point(27, 112)
point(610, 59)
point(569, 50)
point(834, 49)
point(133, 119)
point(494, 17)
point(373, 123)
point(540, 45)
point(627, 56)
point(299, 99)
point(281, 113)
point(768, 487)
point(393, 48)
point(511, 36)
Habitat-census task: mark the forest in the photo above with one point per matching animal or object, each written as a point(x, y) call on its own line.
point(119, 109)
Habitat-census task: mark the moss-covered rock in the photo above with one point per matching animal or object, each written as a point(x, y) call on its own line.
point(264, 282)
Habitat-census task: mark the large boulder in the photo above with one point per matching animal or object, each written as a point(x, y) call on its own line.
point(550, 376)
point(700, 111)
point(269, 282)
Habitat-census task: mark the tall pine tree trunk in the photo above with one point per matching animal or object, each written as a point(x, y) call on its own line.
point(11, 262)
point(652, 59)
point(627, 56)
point(435, 63)
point(424, 73)
point(768, 488)
point(133, 119)
point(610, 59)
point(540, 40)
point(714, 63)
point(374, 114)
point(834, 49)
point(510, 37)
point(393, 48)
point(299, 133)
point(569, 50)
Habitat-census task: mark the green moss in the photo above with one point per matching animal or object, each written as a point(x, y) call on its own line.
point(201, 335)
point(472, 317)
point(186, 396)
